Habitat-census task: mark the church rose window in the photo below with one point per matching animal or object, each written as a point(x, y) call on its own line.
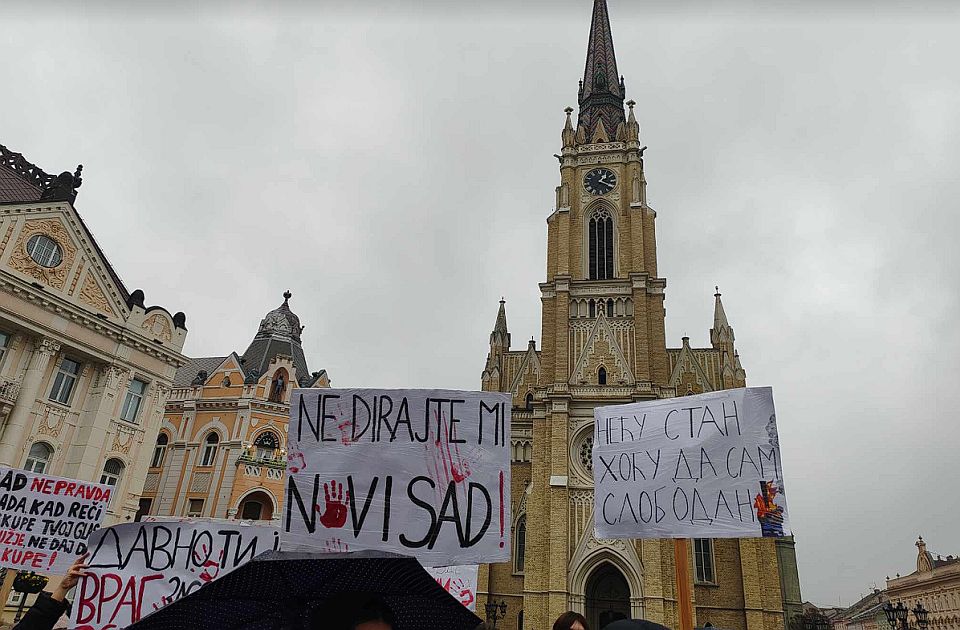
point(586, 453)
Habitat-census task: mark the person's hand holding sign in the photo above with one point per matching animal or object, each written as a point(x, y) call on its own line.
point(70, 580)
point(335, 513)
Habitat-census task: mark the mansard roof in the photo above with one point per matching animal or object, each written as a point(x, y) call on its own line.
point(24, 182)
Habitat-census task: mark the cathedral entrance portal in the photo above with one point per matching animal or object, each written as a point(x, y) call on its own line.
point(607, 596)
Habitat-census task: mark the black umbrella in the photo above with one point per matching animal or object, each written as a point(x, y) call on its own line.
point(634, 624)
point(286, 590)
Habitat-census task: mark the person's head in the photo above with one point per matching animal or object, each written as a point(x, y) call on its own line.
point(571, 621)
point(372, 614)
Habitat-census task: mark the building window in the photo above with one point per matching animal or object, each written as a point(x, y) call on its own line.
point(592, 312)
point(529, 401)
point(39, 457)
point(267, 445)
point(159, 451)
point(609, 308)
point(195, 507)
point(226, 382)
point(600, 241)
point(133, 400)
point(210, 449)
point(703, 559)
point(4, 345)
point(112, 471)
point(519, 544)
point(44, 251)
point(602, 376)
point(66, 379)
point(143, 509)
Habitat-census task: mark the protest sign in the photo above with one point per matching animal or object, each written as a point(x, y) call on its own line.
point(459, 581)
point(45, 520)
point(137, 568)
point(705, 466)
point(423, 473)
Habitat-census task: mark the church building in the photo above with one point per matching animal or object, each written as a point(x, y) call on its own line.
point(604, 343)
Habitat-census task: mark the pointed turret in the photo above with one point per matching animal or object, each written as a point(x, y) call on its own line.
point(500, 335)
point(499, 346)
point(721, 335)
point(601, 89)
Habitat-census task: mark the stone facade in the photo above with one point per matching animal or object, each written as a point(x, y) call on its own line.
point(935, 583)
point(604, 343)
point(221, 449)
point(85, 366)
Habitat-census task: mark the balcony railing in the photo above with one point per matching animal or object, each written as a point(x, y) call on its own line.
point(9, 391)
point(268, 462)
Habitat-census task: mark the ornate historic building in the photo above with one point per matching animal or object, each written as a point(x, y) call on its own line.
point(604, 343)
point(220, 452)
point(935, 583)
point(85, 366)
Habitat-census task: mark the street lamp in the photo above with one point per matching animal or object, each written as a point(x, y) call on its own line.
point(898, 616)
point(495, 611)
point(816, 621)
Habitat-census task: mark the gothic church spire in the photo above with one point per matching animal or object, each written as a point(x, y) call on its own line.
point(602, 89)
point(721, 335)
point(500, 335)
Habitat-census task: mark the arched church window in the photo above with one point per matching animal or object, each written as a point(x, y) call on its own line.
point(609, 308)
point(520, 544)
point(529, 401)
point(593, 309)
point(600, 245)
point(602, 376)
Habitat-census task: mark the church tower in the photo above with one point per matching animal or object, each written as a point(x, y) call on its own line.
point(604, 343)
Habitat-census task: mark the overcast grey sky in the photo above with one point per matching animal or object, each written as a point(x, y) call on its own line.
point(392, 165)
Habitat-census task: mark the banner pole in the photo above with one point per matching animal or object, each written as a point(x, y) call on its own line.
point(681, 562)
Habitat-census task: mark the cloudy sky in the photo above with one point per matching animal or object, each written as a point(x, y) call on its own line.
point(392, 166)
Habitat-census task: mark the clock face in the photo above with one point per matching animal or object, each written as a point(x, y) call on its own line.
point(600, 181)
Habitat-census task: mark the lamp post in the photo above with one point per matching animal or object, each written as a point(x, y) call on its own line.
point(898, 616)
point(495, 612)
point(815, 621)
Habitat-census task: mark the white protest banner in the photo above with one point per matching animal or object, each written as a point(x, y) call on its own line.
point(705, 466)
point(137, 568)
point(422, 473)
point(45, 520)
point(459, 581)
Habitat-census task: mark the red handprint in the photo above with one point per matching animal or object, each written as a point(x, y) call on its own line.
point(206, 575)
point(448, 462)
point(163, 602)
point(335, 513)
point(292, 458)
point(335, 545)
point(462, 592)
point(345, 437)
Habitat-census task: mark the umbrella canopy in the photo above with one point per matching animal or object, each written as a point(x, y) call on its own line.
point(284, 590)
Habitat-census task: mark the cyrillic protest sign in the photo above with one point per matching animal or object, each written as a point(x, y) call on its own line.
point(137, 568)
point(45, 520)
point(423, 473)
point(705, 466)
point(459, 581)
